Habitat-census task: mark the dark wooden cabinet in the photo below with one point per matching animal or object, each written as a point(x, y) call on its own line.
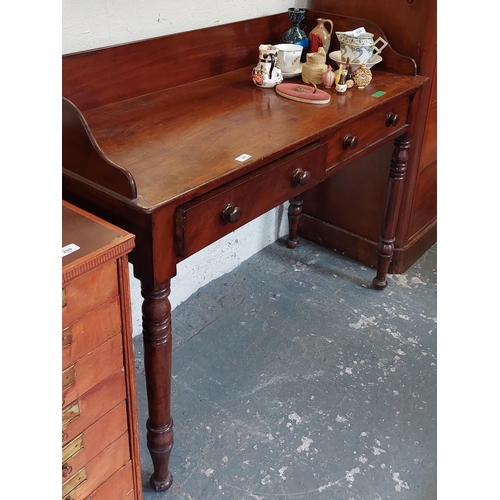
point(344, 211)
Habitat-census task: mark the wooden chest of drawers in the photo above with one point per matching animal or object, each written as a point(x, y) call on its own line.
point(100, 443)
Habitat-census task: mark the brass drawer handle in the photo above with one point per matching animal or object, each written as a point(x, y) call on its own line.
point(66, 470)
point(70, 413)
point(391, 119)
point(68, 377)
point(349, 141)
point(73, 448)
point(300, 177)
point(74, 482)
point(67, 337)
point(231, 214)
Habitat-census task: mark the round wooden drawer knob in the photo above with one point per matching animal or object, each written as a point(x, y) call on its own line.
point(349, 142)
point(231, 214)
point(300, 177)
point(391, 119)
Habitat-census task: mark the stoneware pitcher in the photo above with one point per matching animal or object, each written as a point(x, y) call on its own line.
point(320, 36)
point(266, 75)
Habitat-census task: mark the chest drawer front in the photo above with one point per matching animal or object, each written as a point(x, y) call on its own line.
point(94, 367)
point(355, 137)
point(93, 440)
point(74, 482)
point(98, 470)
point(206, 219)
point(90, 331)
point(89, 291)
point(83, 412)
point(120, 486)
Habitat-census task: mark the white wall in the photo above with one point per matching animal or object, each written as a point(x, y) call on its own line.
point(100, 23)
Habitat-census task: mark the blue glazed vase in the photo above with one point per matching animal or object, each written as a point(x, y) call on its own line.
point(295, 34)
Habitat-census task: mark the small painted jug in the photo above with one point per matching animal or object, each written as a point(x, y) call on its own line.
point(266, 75)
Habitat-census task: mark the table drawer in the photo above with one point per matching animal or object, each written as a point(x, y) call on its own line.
point(210, 217)
point(93, 440)
point(355, 137)
point(79, 414)
point(82, 375)
point(97, 470)
point(89, 291)
point(91, 331)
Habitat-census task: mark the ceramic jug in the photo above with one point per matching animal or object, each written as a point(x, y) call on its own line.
point(320, 36)
point(266, 74)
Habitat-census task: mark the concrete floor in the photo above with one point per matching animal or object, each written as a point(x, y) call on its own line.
point(294, 379)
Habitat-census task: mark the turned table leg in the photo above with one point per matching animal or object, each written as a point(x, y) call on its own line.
point(294, 214)
point(157, 336)
point(397, 173)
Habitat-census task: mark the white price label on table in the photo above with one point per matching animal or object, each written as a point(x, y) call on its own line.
point(69, 249)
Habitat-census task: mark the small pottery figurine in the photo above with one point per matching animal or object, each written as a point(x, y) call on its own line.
point(349, 69)
point(328, 77)
point(338, 73)
point(348, 79)
point(320, 36)
point(314, 67)
point(362, 77)
point(295, 34)
point(266, 74)
point(341, 87)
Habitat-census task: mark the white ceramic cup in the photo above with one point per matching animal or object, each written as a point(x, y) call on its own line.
point(288, 59)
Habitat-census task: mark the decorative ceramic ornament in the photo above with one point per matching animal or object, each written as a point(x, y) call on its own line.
point(328, 77)
point(295, 34)
point(314, 67)
point(362, 77)
point(341, 86)
point(266, 75)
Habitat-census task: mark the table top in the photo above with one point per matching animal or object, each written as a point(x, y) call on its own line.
point(183, 141)
point(89, 239)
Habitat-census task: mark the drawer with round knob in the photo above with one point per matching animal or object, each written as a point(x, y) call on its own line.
point(356, 137)
point(212, 216)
